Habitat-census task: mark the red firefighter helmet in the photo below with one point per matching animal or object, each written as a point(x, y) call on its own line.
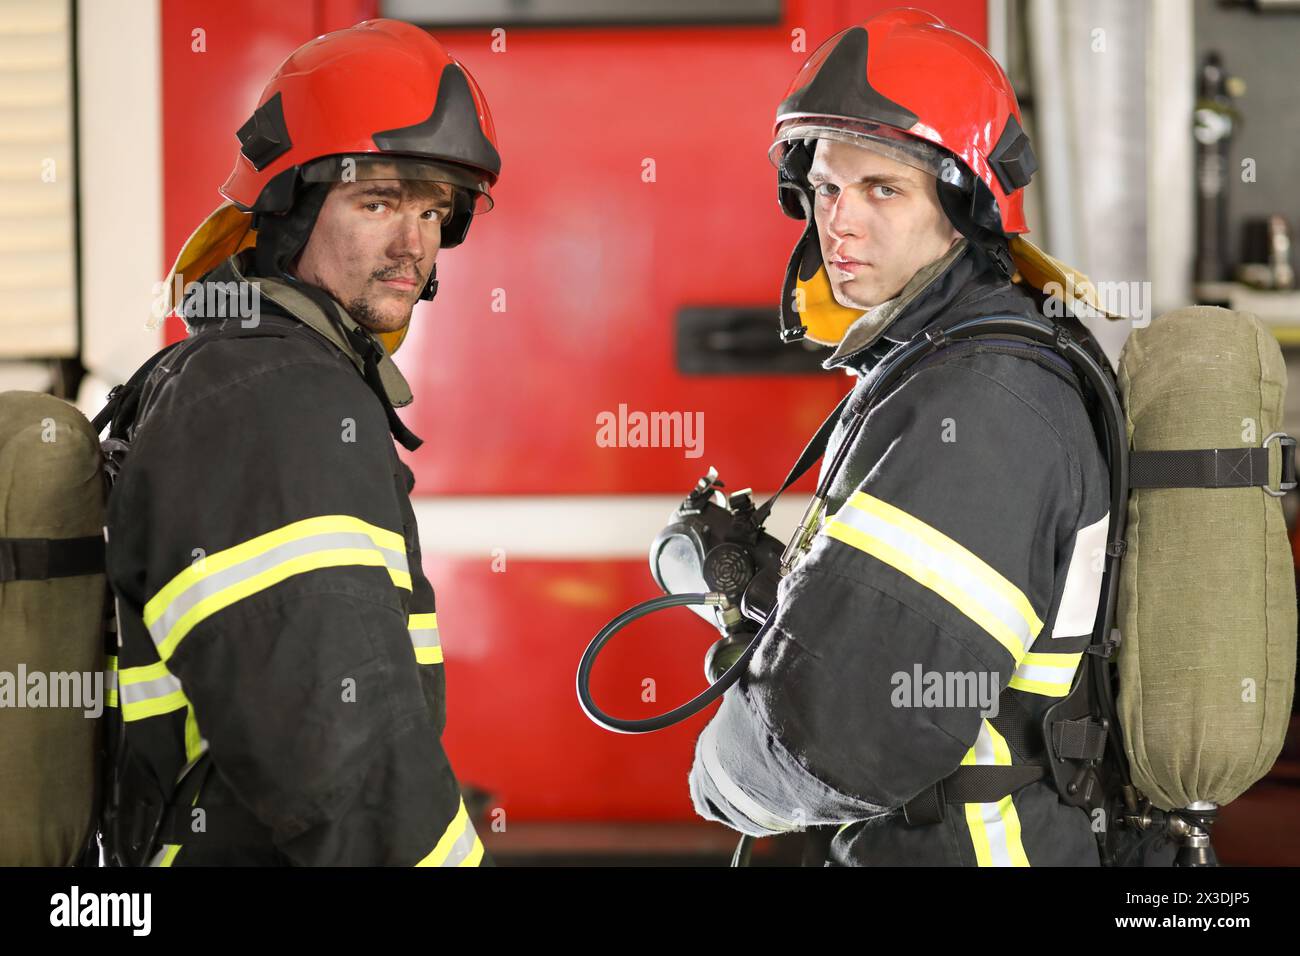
point(382, 88)
point(908, 87)
point(901, 80)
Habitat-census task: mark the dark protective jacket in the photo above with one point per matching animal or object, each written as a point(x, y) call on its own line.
point(280, 681)
point(962, 557)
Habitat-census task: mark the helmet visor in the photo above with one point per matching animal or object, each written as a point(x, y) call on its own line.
point(365, 167)
point(887, 141)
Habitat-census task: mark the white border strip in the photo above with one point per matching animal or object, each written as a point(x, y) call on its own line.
point(119, 87)
point(562, 527)
point(1171, 153)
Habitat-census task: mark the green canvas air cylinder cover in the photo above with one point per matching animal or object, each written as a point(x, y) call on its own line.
point(51, 635)
point(1207, 603)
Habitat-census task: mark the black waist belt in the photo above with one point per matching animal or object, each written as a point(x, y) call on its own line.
point(1082, 739)
point(969, 784)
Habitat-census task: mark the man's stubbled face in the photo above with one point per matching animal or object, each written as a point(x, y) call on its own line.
point(374, 245)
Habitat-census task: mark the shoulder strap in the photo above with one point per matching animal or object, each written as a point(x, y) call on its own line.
point(123, 400)
point(927, 347)
point(1002, 344)
point(815, 448)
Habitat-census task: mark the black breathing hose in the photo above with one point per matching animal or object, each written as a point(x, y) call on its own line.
point(677, 714)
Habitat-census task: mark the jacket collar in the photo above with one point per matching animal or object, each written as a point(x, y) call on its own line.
point(298, 305)
point(950, 286)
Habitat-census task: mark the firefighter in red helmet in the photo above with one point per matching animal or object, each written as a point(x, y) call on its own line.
point(949, 596)
point(279, 679)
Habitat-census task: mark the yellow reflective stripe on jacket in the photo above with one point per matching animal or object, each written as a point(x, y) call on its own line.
point(1050, 675)
point(459, 845)
point(152, 690)
point(149, 691)
point(939, 563)
point(994, 827)
point(195, 745)
point(166, 855)
point(424, 638)
point(110, 680)
point(222, 579)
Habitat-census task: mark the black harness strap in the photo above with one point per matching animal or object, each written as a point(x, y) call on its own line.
point(219, 825)
point(987, 783)
point(40, 559)
point(123, 400)
point(371, 353)
point(1083, 739)
point(222, 826)
point(1207, 468)
point(812, 452)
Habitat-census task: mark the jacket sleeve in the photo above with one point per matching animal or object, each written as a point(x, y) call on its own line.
point(276, 589)
point(917, 601)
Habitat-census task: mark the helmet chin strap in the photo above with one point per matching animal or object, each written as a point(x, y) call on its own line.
point(791, 317)
point(973, 214)
point(282, 236)
point(430, 287)
point(392, 341)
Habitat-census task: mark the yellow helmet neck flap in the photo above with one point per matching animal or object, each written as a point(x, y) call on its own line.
point(392, 341)
point(808, 305)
